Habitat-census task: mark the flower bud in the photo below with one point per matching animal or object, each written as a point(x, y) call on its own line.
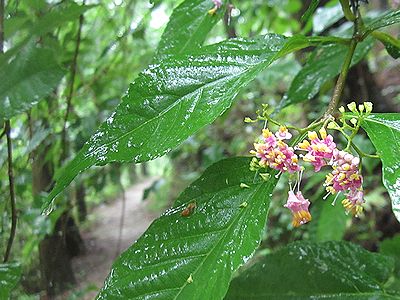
point(368, 107)
point(341, 109)
point(361, 107)
point(352, 107)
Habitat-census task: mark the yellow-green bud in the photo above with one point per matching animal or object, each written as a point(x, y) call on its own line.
point(352, 107)
point(341, 109)
point(353, 121)
point(368, 107)
point(361, 107)
point(332, 125)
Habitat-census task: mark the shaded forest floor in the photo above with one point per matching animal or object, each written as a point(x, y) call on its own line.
point(101, 239)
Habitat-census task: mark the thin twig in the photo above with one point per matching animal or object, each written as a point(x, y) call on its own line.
point(12, 191)
point(6, 132)
point(341, 80)
point(71, 90)
point(2, 134)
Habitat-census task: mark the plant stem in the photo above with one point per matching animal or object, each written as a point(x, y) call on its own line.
point(7, 131)
point(341, 80)
point(71, 90)
point(12, 191)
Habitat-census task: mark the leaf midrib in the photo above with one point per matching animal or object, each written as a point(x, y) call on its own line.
point(223, 236)
point(179, 101)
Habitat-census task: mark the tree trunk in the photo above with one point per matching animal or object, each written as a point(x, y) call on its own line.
point(56, 249)
point(80, 202)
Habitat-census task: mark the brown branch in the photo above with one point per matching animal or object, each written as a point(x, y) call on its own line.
point(71, 90)
point(7, 130)
point(12, 191)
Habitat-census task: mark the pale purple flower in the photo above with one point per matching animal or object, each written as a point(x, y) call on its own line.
point(299, 208)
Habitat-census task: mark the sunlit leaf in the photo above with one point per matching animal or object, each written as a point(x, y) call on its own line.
point(213, 228)
point(326, 16)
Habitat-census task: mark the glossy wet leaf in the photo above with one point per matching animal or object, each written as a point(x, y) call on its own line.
point(326, 16)
point(32, 75)
point(305, 270)
point(387, 19)
point(391, 44)
point(194, 256)
point(322, 66)
point(10, 274)
point(174, 98)
point(384, 131)
point(188, 27)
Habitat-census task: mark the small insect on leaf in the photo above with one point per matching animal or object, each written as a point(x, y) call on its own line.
point(189, 209)
point(190, 279)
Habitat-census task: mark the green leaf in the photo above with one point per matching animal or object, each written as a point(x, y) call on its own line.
point(384, 132)
point(391, 44)
point(304, 270)
point(389, 18)
point(326, 16)
point(32, 75)
point(58, 17)
point(310, 10)
point(188, 27)
point(172, 99)
point(47, 23)
point(329, 221)
point(10, 274)
point(178, 257)
point(323, 65)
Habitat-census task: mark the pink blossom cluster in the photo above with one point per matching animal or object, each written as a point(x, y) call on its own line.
point(345, 177)
point(319, 150)
point(273, 152)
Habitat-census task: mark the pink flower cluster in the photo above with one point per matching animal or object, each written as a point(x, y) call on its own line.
point(275, 153)
point(345, 177)
point(319, 150)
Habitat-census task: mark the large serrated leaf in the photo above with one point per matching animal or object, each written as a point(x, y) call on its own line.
point(304, 270)
point(173, 99)
point(194, 256)
point(384, 131)
point(32, 75)
point(188, 26)
point(10, 274)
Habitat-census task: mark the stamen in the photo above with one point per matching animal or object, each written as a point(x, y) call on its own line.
point(326, 196)
point(334, 200)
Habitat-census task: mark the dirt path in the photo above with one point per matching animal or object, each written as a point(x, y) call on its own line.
point(102, 238)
